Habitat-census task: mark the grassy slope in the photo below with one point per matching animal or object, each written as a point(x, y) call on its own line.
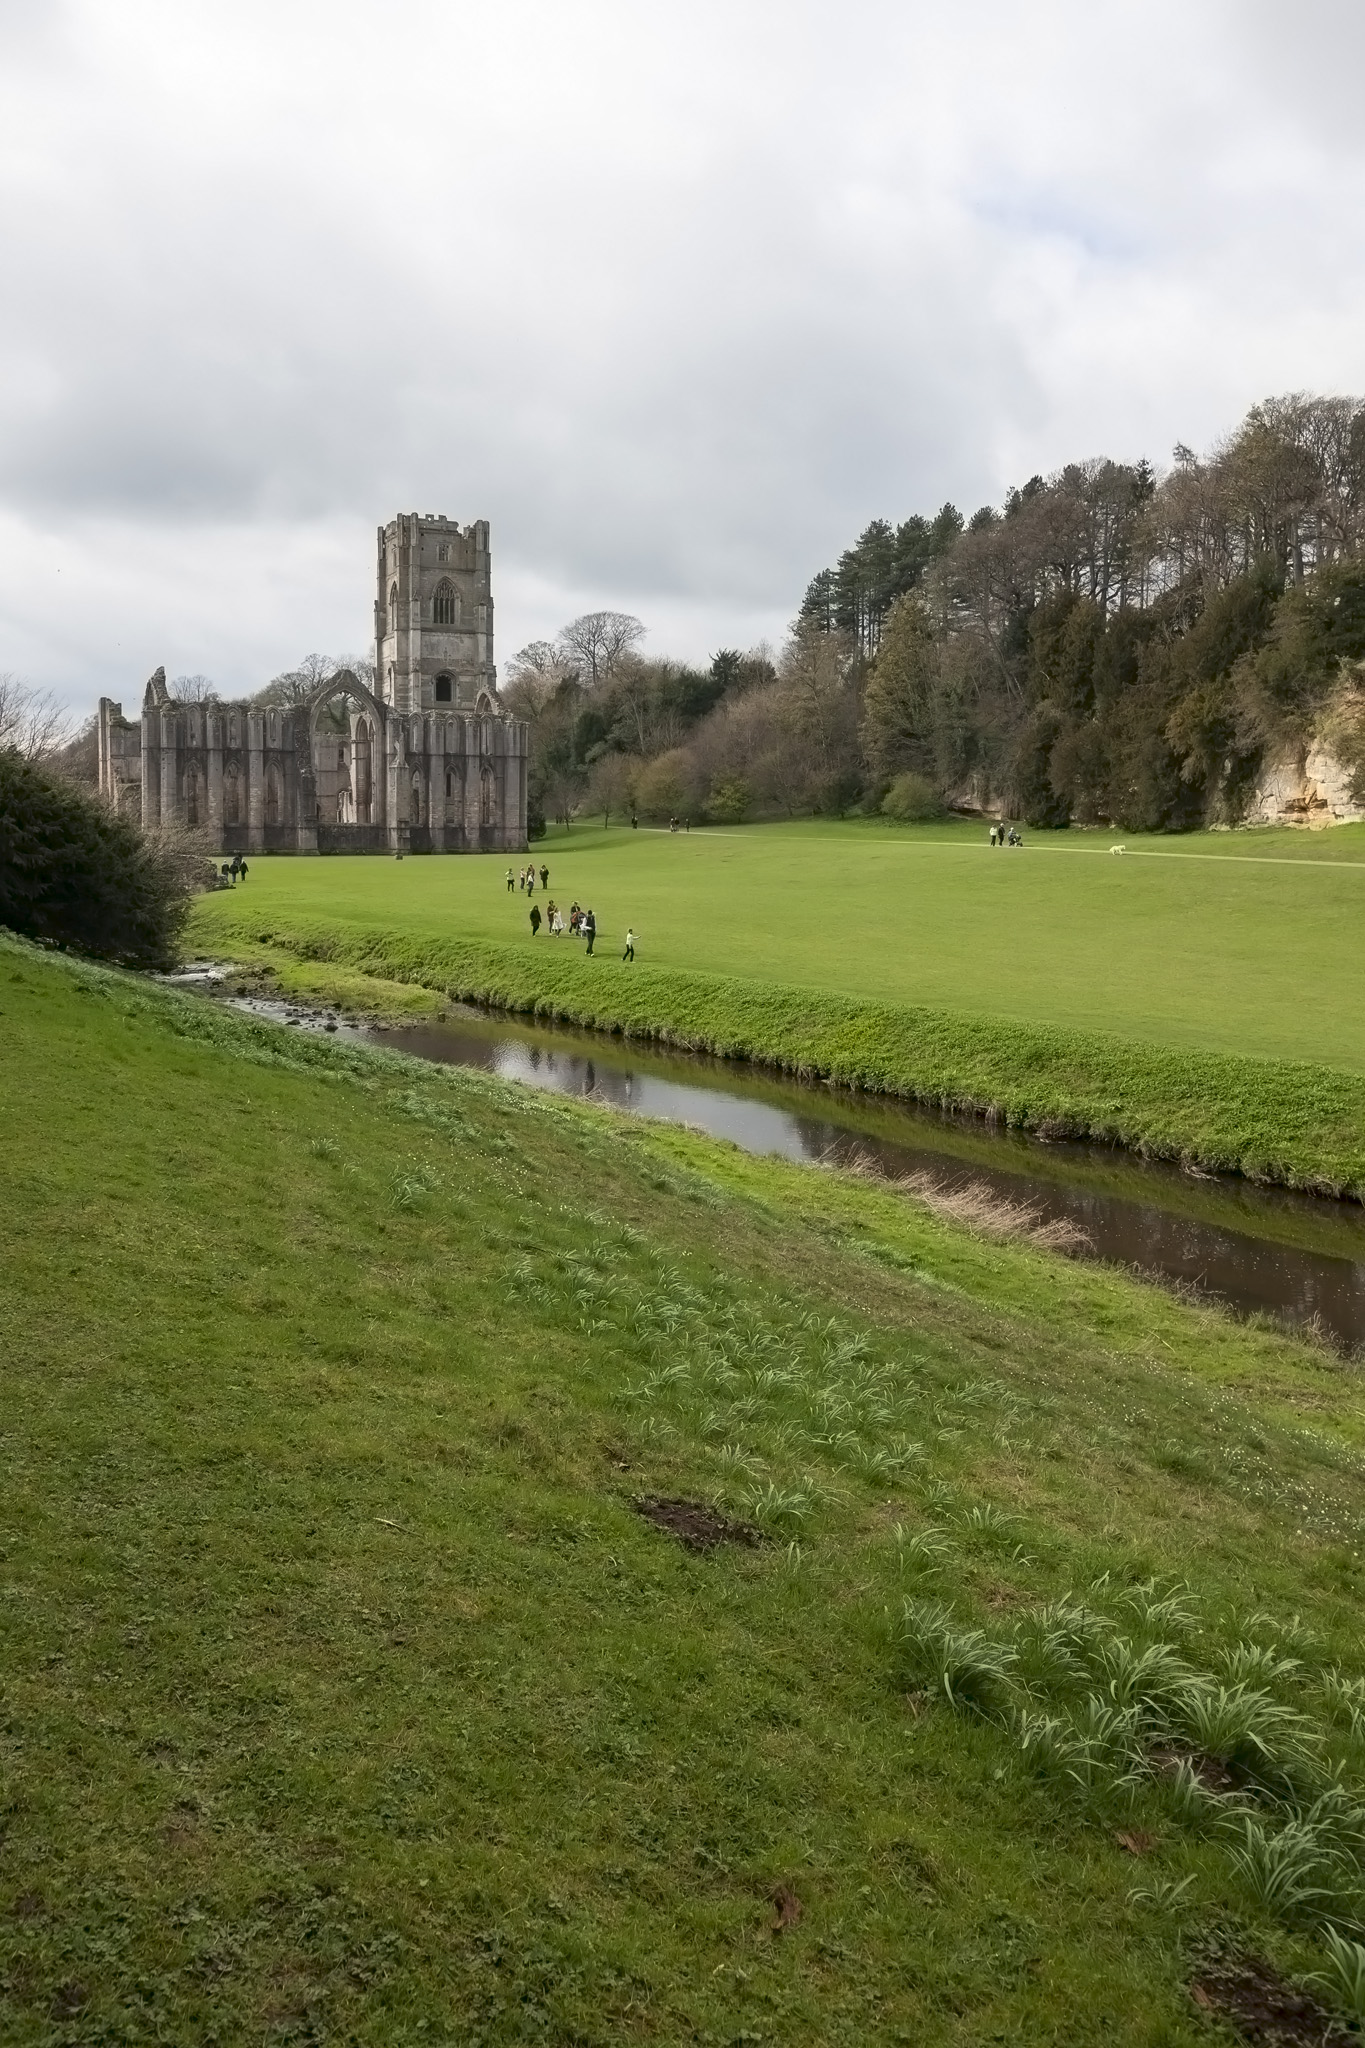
point(1247, 943)
point(345, 1694)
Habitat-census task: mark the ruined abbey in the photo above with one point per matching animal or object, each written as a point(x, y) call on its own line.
point(426, 762)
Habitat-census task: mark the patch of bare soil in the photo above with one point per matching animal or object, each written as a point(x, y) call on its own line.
point(1248, 1994)
point(1213, 1774)
point(695, 1526)
point(69, 2000)
point(787, 1907)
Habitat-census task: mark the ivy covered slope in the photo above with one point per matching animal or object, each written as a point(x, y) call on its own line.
point(348, 1694)
point(1286, 1121)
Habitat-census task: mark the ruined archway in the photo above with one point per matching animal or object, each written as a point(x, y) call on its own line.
point(346, 726)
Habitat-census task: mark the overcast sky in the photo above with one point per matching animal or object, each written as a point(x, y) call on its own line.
point(677, 295)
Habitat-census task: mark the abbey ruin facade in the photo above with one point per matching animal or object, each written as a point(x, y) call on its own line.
point(428, 761)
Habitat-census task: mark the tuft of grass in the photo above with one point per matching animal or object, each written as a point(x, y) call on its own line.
point(1293, 1872)
point(1162, 1894)
point(1256, 1736)
point(1344, 1978)
point(969, 1667)
point(1255, 1664)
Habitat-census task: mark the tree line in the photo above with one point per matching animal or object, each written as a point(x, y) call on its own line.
point(1108, 645)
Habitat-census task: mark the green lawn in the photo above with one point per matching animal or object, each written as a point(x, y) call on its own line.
point(347, 1697)
point(1249, 943)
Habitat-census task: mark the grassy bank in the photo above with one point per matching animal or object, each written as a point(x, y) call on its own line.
point(1272, 1120)
point(349, 1696)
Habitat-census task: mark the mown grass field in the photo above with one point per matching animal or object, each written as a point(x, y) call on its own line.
point(1076, 922)
point(1252, 943)
point(348, 1697)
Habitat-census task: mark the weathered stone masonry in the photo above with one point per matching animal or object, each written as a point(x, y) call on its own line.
point(433, 764)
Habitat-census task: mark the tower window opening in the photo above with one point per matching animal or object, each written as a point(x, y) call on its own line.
point(443, 689)
point(393, 607)
point(443, 551)
point(443, 606)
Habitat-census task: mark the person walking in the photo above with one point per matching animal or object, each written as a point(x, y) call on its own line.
point(535, 920)
point(241, 872)
point(545, 878)
point(511, 885)
point(590, 929)
point(629, 953)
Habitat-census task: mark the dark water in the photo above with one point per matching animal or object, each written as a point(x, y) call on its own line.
point(1296, 1257)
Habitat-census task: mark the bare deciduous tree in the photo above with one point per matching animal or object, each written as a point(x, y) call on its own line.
point(193, 689)
point(597, 642)
point(533, 675)
point(296, 685)
point(611, 786)
point(32, 722)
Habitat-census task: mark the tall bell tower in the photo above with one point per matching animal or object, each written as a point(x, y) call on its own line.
point(433, 615)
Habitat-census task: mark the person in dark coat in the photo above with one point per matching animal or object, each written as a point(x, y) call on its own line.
point(535, 920)
point(545, 878)
point(590, 928)
point(241, 872)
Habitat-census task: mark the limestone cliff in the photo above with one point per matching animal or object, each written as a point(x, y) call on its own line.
point(1323, 781)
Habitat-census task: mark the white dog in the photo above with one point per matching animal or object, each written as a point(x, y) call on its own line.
point(1118, 849)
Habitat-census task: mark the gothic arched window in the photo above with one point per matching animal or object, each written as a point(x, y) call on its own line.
point(443, 689)
point(232, 798)
point(415, 814)
point(443, 605)
point(393, 607)
point(488, 801)
point(272, 795)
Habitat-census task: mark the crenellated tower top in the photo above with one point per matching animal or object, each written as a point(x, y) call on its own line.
point(433, 614)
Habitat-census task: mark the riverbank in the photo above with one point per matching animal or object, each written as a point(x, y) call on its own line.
point(1292, 1123)
point(347, 1679)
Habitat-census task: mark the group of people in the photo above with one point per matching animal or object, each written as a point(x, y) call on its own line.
point(234, 870)
point(526, 879)
point(1001, 837)
point(580, 924)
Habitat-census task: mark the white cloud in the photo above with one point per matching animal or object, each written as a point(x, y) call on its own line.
point(677, 297)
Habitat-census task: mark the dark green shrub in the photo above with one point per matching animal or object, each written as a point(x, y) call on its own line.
point(912, 798)
point(73, 874)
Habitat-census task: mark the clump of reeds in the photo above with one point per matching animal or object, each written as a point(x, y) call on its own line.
point(978, 1207)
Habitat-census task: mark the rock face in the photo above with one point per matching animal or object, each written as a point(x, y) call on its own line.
point(1308, 787)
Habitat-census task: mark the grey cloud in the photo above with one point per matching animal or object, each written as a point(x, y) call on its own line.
point(677, 297)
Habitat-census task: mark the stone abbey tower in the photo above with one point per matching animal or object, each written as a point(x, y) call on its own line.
point(426, 762)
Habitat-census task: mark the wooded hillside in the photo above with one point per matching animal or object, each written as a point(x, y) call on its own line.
point(1108, 645)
